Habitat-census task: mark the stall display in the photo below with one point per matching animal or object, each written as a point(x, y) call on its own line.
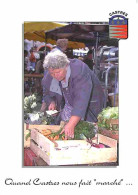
point(83, 130)
point(32, 114)
point(108, 122)
point(89, 145)
point(71, 152)
point(92, 143)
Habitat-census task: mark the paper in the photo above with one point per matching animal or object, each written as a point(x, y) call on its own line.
point(51, 112)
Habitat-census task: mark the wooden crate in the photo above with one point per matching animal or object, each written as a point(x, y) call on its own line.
point(26, 142)
point(110, 133)
point(114, 134)
point(39, 127)
point(71, 152)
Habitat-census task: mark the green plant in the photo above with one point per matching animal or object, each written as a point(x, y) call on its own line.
point(29, 103)
point(105, 117)
point(83, 130)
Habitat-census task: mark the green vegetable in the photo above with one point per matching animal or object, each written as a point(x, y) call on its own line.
point(83, 129)
point(28, 135)
point(29, 103)
point(105, 116)
point(57, 133)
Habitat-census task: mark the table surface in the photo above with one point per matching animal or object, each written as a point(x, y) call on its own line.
point(36, 75)
point(40, 162)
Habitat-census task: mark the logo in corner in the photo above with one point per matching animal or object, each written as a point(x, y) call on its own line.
point(118, 25)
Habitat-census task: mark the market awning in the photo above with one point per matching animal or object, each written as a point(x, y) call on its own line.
point(80, 32)
point(36, 30)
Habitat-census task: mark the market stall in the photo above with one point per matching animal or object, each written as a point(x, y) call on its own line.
point(36, 30)
point(93, 143)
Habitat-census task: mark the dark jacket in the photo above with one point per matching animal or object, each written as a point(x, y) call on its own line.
point(84, 92)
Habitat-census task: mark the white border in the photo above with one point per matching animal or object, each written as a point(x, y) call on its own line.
point(13, 14)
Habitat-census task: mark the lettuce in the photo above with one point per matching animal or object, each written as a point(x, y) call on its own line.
point(106, 115)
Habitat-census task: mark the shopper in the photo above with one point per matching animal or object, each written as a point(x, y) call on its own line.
point(32, 59)
point(88, 59)
point(61, 45)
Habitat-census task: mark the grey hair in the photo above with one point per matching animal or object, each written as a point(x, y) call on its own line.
point(62, 43)
point(55, 60)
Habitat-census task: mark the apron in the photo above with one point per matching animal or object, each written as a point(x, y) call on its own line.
point(66, 112)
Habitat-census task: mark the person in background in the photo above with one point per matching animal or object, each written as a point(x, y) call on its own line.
point(39, 65)
point(26, 61)
point(73, 89)
point(39, 70)
point(88, 59)
point(32, 59)
point(69, 53)
point(61, 45)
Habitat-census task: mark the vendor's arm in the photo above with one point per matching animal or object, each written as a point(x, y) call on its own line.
point(82, 85)
point(48, 102)
point(70, 127)
point(43, 107)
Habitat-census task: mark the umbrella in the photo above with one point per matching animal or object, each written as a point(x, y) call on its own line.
point(36, 30)
point(80, 33)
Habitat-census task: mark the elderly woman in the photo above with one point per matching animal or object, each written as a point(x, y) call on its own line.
point(72, 88)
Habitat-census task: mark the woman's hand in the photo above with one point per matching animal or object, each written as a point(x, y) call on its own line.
point(70, 127)
point(69, 131)
point(52, 106)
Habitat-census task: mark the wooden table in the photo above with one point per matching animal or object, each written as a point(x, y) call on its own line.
point(35, 75)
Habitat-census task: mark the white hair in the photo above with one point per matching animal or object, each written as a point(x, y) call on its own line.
point(55, 60)
point(62, 43)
